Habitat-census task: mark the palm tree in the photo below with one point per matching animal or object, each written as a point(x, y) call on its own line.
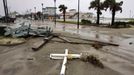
point(97, 5)
point(113, 7)
point(63, 9)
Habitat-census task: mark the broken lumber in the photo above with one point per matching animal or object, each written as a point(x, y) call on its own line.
point(40, 44)
point(93, 40)
point(73, 42)
point(64, 39)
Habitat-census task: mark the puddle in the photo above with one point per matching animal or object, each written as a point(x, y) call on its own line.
point(127, 44)
point(96, 35)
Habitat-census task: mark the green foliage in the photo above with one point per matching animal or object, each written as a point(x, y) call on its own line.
point(73, 22)
point(2, 31)
point(131, 22)
point(69, 22)
point(98, 6)
point(83, 21)
point(120, 25)
point(63, 9)
point(113, 7)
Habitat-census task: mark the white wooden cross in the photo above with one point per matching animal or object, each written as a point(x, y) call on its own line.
point(65, 57)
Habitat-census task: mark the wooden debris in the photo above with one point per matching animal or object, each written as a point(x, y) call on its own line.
point(97, 45)
point(101, 42)
point(93, 60)
point(64, 39)
point(73, 42)
point(40, 44)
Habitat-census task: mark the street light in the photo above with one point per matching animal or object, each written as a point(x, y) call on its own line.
point(35, 9)
point(55, 12)
point(42, 6)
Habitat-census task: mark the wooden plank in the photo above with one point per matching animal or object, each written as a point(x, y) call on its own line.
point(90, 43)
point(93, 40)
point(64, 39)
point(40, 44)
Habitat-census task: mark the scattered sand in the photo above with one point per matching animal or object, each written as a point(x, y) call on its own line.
point(10, 41)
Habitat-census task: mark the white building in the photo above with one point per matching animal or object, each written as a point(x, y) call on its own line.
point(49, 10)
point(83, 15)
point(72, 11)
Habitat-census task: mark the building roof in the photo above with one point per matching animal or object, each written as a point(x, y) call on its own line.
point(67, 14)
point(50, 8)
point(72, 10)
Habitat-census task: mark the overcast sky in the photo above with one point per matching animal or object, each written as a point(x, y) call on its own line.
point(22, 5)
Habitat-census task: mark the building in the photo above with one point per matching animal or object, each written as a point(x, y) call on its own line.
point(49, 12)
point(83, 15)
point(72, 11)
point(73, 14)
point(68, 15)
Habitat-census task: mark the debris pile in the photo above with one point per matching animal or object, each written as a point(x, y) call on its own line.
point(97, 45)
point(25, 29)
point(93, 60)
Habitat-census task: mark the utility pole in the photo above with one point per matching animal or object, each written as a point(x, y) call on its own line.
point(5, 9)
point(55, 12)
point(42, 12)
point(78, 20)
point(35, 14)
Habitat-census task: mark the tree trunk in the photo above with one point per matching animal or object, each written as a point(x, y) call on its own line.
point(113, 17)
point(64, 12)
point(98, 18)
point(98, 13)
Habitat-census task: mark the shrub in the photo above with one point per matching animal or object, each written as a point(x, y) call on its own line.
point(120, 25)
point(131, 22)
point(83, 21)
point(2, 31)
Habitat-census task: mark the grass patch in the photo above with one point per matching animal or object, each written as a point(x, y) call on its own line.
point(69, 22)
point(11, 41)
point(73, 22)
